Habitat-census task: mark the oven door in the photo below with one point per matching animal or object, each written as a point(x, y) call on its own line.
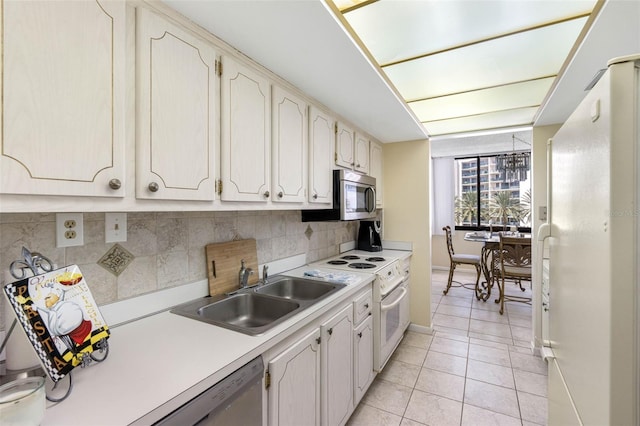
point(393, 314)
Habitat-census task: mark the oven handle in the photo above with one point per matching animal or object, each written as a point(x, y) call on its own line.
point(384, 308)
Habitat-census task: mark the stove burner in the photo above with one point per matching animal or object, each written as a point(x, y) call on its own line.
point(337, 262)
point(350, 257)
point(361, 265)
point(375, 259)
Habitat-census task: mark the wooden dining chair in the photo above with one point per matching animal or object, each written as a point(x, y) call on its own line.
point(459, 259)
point(514, 265)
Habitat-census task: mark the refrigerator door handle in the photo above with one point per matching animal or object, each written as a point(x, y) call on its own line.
point(544, 232)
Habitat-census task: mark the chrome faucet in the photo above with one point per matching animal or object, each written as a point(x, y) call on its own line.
point(243, 275)
point(265, 274)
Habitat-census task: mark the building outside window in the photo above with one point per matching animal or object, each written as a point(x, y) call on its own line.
point(484, 197)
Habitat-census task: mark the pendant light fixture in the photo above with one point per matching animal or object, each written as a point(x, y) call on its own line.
point(513, 166)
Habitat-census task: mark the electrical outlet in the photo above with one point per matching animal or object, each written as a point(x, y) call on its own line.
point(115, 227)
point(69, 230)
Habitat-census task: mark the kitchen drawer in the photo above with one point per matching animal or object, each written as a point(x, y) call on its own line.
point(362, 306)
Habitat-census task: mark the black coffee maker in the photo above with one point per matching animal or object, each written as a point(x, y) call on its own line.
point(369, 236)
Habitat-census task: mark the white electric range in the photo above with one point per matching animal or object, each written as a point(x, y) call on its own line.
point(383, 264)
point(390, 297)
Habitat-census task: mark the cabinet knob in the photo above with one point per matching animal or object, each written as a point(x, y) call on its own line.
point(266, 194)
point(330, 331)
point(358, 165)
point(153, 187)
point(280, 194)
point(315, 196)
point(366, 306)
point(360, 335)
point(115, 184)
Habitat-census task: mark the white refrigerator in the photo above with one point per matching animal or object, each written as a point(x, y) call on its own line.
point(592, 239)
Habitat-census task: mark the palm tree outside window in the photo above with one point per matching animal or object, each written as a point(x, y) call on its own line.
point(483, 200)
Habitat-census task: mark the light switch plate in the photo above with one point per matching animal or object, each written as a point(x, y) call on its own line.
point(542, 213)
point(115, 227)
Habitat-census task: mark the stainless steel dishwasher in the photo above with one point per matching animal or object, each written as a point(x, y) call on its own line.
point(235, 400)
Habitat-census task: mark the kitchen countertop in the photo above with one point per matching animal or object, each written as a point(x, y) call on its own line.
point(158, 363)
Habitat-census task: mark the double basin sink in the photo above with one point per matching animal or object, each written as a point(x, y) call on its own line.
point(256, 310)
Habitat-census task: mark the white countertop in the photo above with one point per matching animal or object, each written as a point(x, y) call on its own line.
point(160, 362)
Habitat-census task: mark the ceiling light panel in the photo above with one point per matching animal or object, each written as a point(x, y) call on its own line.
point(397, 30)
point(494, 120)
point(492, 63)
point(518, 95)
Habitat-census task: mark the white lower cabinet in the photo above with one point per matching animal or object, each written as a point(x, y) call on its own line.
point(363, 373)
point(337, 368)
point(363, 358)
point(294, 391)
point(318, 378)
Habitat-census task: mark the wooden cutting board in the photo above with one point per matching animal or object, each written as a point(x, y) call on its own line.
point(223, 264)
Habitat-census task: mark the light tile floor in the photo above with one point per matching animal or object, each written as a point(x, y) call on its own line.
point(476, 369)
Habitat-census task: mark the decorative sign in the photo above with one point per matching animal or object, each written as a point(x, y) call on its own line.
point(60, 317)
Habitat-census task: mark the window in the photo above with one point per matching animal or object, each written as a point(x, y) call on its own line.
point(484, 198)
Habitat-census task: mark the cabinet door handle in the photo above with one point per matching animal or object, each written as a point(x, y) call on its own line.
point(280, 194)
point(358, 165)
point(315, 196)
point(330, 331)
point(115, 184)
point(153, 187)
point(366, 306)
point(318, 340)
point(360, 335)
point(266, 194)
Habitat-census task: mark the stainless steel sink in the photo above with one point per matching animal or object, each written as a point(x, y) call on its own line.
point(249, 313)
point(298, 289)
point(256, 310)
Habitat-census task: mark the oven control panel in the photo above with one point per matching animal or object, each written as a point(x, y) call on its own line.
point(389, 278)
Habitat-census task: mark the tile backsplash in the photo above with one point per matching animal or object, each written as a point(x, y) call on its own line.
point(167, 248)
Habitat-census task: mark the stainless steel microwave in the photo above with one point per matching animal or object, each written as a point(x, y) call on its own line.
point(354, 198)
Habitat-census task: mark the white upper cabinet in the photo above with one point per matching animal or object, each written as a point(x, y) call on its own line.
point(361, 154)
point(375, 169)
point(176, 114)
point(63, 98)
point(321, 142)
point(344, 146)
point(352, 149)
point(289, 147)
point(245, 146)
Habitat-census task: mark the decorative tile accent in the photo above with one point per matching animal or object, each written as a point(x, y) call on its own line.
point(308, 232)
point(116, 260)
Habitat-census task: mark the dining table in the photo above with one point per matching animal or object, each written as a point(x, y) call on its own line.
point(489, 258)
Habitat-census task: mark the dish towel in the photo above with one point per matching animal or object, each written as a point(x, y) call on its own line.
point(336, 277)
